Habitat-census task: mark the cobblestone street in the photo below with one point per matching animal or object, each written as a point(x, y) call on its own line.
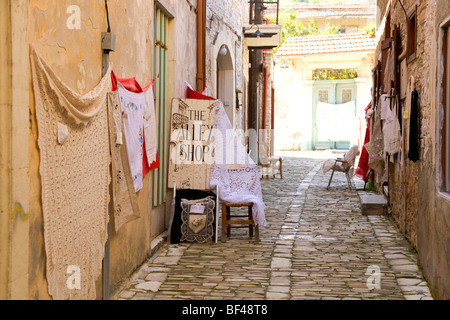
point(317, 245)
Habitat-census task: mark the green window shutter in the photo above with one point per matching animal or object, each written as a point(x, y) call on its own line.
point(159, 67)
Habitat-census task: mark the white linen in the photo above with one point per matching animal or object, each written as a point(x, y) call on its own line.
point(151, 146)
point(336, 122)
point(133, 115)
point(232, 169)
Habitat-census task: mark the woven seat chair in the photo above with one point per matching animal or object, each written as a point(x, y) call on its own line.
point(269, 165)
point(345, 165)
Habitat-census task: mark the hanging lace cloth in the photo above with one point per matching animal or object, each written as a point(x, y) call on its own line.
point(391, 128)
point(124, 199)
point(74, 167)
point(233, 170)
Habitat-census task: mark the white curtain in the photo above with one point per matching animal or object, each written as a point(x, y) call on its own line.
point(337, 122)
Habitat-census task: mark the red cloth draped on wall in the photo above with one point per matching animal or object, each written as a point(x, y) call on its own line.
point(363, 164)
point(192, 94)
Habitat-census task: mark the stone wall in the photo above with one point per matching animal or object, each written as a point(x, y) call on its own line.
point(420, 210)
point(225, 28)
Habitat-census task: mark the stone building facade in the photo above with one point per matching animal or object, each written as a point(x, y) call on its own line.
point(417, 189)
point(225, 55)
point(298, 93)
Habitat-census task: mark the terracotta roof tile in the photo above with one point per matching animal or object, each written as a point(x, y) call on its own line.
point(328, 10)
point(339, 43)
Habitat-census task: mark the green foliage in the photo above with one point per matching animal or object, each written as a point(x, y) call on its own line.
point(334, 74)
point(370, 29)
point(293, 28)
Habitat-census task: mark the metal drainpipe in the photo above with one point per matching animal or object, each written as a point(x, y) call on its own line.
point(201, 44)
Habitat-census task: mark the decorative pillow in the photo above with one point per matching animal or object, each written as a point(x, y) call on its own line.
point(198, 219)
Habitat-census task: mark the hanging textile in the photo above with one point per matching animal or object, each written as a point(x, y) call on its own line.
point(239, 181)
point(125, 206)
point(192, 94)
point(138, 118)
point(413, 153)
point(151, 139)
point(132, 105)
point(74, 167)
point(375, 147)
point(363, 163)
point(149, 162)
point(336, 122)
point(392, 139)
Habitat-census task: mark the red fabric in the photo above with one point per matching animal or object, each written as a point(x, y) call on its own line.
point(132, 85)
point(363, 164)
point(192, 94)
point(129, 83)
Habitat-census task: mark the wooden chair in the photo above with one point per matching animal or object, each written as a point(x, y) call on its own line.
point(269, 165)
point(228, 223)
point(345, 165)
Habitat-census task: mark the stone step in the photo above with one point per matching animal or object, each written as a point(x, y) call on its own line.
point(373, 204)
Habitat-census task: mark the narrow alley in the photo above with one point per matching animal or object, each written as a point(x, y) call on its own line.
point(205, 150)
point(317, 245)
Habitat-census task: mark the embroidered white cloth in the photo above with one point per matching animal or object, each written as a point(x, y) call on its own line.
point(138, 112)
point(124, 198)
point(133, 114)
point(233, 170)
point(75, 181)
point(391, 129)
point(151, 142)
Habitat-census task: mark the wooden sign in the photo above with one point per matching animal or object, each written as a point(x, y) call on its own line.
point(191, 144)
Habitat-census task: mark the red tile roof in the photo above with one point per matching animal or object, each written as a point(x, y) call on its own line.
point(359, 8)
point(329, 44)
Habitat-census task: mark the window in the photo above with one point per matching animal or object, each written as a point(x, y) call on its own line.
point(323, 96)
point(411, 43)
point(347, 95)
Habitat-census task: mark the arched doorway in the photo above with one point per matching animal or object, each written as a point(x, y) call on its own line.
point(225, 81)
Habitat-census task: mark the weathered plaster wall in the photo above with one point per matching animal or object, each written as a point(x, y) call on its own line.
point(5, 147)
point(14, 191)
point(76, 56)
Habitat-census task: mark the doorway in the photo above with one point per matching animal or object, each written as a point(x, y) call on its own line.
point(334, 121)
point(225, 82)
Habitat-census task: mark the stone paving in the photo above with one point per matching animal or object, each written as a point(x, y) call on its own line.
point(317, 245)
